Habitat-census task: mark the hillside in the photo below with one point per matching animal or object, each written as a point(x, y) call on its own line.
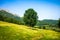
point(9, 17)
point(47, 22)
point(10, 31)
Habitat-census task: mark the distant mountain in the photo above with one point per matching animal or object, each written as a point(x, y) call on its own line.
point(47, 22)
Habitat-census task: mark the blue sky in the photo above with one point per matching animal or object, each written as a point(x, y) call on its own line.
point(46, 9)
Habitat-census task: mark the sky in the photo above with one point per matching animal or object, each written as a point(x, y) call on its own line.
point(46, 9)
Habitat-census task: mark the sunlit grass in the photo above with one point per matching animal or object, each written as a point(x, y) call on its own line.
point(9, 31)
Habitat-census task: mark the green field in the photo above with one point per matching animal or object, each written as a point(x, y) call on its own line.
point(10, 31)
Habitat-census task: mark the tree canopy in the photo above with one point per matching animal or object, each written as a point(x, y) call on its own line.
point(59, 23)
point(30, 17)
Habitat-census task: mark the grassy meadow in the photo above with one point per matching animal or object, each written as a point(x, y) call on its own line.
point(29, 20)
point(10, 31)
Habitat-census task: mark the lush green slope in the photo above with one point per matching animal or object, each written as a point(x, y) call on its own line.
point(9, 17)
point(9, 31)
point(47, 22)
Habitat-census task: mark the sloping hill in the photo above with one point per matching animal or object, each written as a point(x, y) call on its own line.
point(9, 31)
point(47, 22)
point(9, 17)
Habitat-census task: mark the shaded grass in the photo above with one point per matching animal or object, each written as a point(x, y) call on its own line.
point(9, 31)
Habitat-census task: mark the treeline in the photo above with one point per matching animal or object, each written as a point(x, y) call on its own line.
point(47, 22)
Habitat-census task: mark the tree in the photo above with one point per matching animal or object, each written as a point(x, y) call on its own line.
point(1, 16)
point(59, 23)
point(30, 17)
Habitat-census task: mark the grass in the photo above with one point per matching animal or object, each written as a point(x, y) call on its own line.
point(10, 31)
